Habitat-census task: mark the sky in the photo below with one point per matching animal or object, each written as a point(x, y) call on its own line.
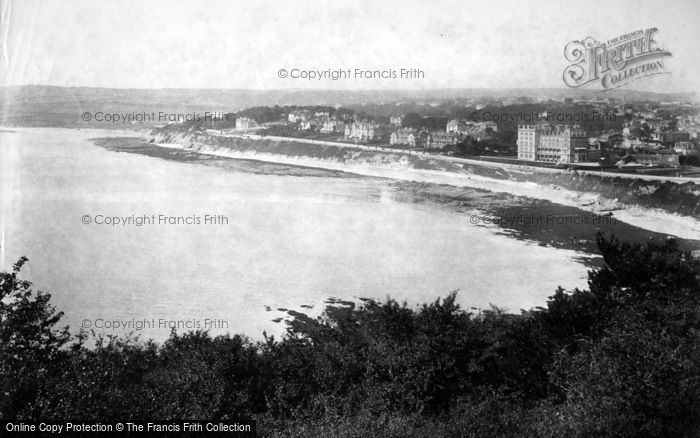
point(244, 44)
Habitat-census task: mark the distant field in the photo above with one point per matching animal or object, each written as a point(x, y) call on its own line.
point(36, 105)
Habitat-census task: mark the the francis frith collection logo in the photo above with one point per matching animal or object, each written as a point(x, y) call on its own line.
point(616, 62)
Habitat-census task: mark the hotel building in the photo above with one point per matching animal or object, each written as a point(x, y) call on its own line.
point(553, 143)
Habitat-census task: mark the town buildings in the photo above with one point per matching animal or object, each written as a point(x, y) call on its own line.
point(245, 123)
point(362, 131)
point(455, 126)
point(423, 138)
point(554, 143)
point(403, 136)
point(329, 125)
point(440, 139)
point(466, 127)
point(477, 130)
point(686, 148)
point(662, 158)
point(298, 116)
point(671, 137)
point(319, 121)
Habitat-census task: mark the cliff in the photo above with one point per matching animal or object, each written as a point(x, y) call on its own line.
point(683, 199)
point(608, 192)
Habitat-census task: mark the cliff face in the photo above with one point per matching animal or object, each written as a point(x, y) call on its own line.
point(683, 199)
point(677, 198)
point(310, 152)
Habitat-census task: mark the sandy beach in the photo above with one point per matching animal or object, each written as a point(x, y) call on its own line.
point(526, 211)
point(654, 220)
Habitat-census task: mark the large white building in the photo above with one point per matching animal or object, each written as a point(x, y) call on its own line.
point(245, 123)
point(553, 143)
point(362, 131)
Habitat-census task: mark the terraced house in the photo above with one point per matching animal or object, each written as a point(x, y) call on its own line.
point(423, 138)
point(440, 139)
point(405, 136)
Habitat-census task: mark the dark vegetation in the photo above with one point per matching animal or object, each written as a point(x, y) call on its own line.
point(416, 121)
point(620, 359)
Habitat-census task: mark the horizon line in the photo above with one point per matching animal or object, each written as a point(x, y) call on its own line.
point(352, 90)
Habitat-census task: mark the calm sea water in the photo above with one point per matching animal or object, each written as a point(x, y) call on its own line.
point(290, 241)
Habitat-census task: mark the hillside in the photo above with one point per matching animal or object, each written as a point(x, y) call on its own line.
point(39, 105)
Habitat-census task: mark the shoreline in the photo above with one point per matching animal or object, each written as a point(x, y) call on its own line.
point(655, 220)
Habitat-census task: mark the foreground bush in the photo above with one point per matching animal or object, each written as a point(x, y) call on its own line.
point(619, 359)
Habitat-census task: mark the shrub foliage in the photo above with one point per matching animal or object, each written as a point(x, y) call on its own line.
point(619, 359)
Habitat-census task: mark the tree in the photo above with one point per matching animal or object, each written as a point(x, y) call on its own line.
point(631, 366)
point(29, 343)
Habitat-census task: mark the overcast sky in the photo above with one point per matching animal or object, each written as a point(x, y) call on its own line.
point(243, 44)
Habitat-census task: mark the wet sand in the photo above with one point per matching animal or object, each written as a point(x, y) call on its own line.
point(543, 222)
